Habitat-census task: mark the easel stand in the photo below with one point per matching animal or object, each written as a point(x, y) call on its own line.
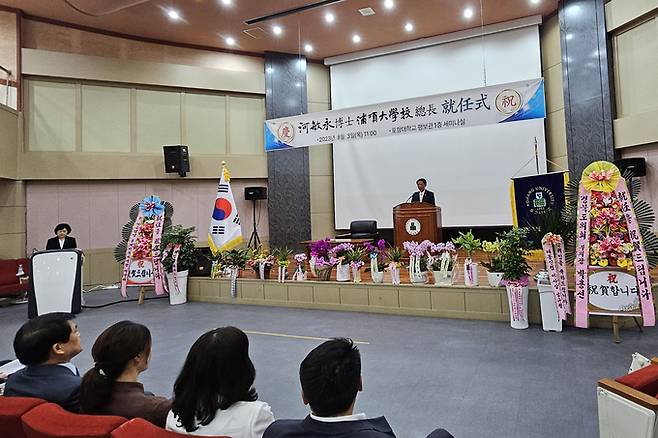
point(615, 328)
point(142, 292)
point(254, 234)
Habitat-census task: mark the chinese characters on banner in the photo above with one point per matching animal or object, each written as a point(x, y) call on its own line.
point(480, 106)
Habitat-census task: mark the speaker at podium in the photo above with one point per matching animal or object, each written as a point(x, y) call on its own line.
point(416, 221)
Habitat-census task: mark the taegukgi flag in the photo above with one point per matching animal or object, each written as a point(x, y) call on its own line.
point(225, 232)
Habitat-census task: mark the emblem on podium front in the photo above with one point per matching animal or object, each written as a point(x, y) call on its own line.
point(412, 226)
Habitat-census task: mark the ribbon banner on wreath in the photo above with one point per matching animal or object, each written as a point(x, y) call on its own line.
point(612, 271)
point(142, 265)
point(556, 265)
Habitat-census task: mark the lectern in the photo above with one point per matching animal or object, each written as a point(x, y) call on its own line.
point(417, 221)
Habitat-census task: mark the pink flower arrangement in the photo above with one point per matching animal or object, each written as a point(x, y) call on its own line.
point(609, 240)
point(416, 249)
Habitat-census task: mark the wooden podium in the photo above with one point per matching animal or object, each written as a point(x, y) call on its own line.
point(417, 221)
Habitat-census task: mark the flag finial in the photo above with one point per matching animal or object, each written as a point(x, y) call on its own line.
point(223, 163)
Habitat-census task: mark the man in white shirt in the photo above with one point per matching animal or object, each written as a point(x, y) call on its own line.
point(423, 195)
point(331, 378)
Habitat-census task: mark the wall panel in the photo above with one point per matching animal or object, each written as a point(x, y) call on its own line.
point(51, 111)
point(205, 123)
point(158, 120)
point(105, 119)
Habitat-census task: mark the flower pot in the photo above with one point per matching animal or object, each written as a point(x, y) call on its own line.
point(550, 320)
point(494, 278)
point(442, 279)
point(356, 274)
point(282, 274)
point(470, 273)
point(418, 278)
point(263, 271)
point(395, 275)
point(343, 272)
point(323, 274)
point(311, 266)
point(518, 307)
point(377, 277)
point(177, 296)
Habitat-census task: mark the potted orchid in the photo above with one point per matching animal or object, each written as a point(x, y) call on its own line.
point(322, 260)
point(514, 247)
point(261, 262)
point(442, 263)
point(355, 258)
point(342, 264)
point(282, 256)
point(378, 256)
point(234, 260)
point(493, 264)
point(394, 257)
point(300, 271)
point(418, 257)
point(469, 243)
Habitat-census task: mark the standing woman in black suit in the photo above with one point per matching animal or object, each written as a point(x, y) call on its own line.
point(62, 239)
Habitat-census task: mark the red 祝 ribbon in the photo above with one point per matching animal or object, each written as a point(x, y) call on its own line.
point(158, 279)
point(175, 251)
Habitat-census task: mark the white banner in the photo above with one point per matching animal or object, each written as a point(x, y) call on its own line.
point(480, 106)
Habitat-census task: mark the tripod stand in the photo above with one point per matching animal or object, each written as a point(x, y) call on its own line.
point(254, 234)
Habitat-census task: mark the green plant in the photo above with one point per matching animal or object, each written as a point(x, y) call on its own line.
point(494, 262)
point(235, 258)
point(395, 254)
point(550, 221)
point(282, 256)
point(187, 255)
point(514, 246)
point(356, 254)
point(468, 243)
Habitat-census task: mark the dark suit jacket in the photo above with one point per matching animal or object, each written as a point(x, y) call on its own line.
point(428, 197)
point(69, 243)
point(310, 428)
point(53, 383)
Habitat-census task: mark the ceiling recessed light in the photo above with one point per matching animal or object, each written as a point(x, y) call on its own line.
point(277, 30)
point(226, 2)
point(173, 14)
point(535, 2)
point(468, 13)
point(230, 41)
point(308, 48)
point(389, 4)
point(356, 38)
point(408, 27)
point(329, 17)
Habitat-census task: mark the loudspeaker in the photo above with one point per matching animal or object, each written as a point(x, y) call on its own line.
point(632, 166)
point(176, 159)
point(255, 193)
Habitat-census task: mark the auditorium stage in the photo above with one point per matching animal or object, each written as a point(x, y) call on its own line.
point(479, 303)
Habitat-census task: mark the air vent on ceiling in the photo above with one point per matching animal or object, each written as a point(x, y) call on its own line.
point(366, 11)
point(256, 33)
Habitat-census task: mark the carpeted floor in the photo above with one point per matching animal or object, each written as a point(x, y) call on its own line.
point(473, 378)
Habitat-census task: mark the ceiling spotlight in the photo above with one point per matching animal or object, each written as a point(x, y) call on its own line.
point(173, 14)
point(308, 48)
point(356, 38)
point(468, 13)
point(277, 30)
point(329, 17)
point(535, 2)
point(226, 2)
point(389, 4)
point(230, 41)
point(408, 27)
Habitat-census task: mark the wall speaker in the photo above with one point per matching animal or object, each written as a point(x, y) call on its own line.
point(255, 193)
point(632, 166)
point(176, 159)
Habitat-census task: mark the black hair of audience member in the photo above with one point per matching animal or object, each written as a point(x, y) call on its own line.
point(217, 373)
point(66, 227)
point(423, 180)
point(113, 349)
point(35, 339)
point(331, 377)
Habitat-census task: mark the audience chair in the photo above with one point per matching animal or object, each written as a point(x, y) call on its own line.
point(11, 411)
point(138, 427)
point(628, 404)
point(361, 230)
point(50, 420)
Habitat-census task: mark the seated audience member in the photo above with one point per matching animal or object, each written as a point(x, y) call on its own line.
point(46, 345)
point(213, 395)
point(331, 378)
point(111, 387)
